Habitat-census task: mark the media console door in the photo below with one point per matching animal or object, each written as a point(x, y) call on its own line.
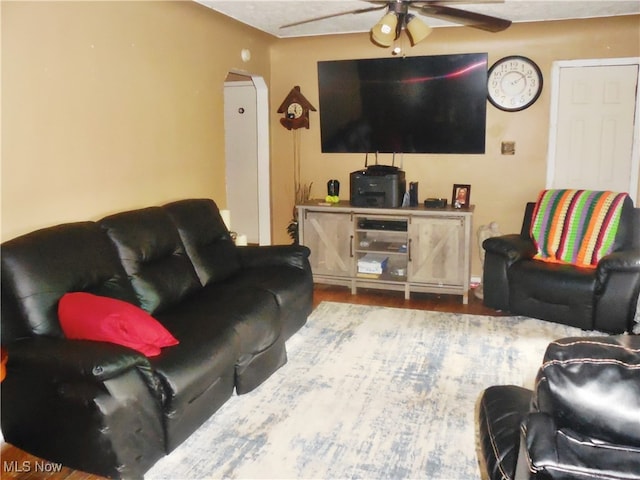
point(329, 236)
point(437, 251)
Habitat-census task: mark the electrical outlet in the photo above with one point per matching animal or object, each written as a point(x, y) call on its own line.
point(508, 148)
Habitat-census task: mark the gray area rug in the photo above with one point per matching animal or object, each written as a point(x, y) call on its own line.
point(368, 393)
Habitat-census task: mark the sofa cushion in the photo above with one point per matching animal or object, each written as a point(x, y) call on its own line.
point(84, 316)
point(228, 337)
point(254, 314)
point(206, 238)
point(291, 287)
point(153, 256)
point(40, 267)
point(198, 374)
point(251, 313)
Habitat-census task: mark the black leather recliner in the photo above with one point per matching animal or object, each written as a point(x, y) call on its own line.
point(603, 298)
point(582, 421)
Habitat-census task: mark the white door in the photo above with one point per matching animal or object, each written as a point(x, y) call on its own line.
point(247, 158)
point(593, 138)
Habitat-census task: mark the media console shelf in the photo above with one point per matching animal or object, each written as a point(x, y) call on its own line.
point(411, 249)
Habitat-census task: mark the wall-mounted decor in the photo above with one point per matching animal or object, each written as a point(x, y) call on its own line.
point(296, 110)
point(514, 83)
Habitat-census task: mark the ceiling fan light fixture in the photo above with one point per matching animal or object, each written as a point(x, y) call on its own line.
point(417, 29)
point(384, 32)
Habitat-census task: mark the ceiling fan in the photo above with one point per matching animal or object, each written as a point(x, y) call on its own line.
point(398, 17)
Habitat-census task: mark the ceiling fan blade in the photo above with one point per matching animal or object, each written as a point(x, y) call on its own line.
point(419, 3)
point(323, 17)
point(465, 17)
point(440, 2)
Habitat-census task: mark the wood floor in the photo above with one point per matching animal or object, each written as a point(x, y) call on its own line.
point(16, 464)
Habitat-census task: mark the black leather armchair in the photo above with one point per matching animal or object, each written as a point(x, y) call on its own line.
point(582, 422)
point(603, 298)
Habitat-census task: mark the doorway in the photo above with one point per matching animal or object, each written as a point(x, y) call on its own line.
point(246, 124)
point(593, 137)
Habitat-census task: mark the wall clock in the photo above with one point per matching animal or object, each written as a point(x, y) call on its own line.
point(296, 110)
point(514, 83)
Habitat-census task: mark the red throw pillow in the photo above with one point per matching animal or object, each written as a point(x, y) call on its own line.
point(84, 316)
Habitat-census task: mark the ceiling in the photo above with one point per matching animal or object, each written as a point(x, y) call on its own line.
point(269, 16)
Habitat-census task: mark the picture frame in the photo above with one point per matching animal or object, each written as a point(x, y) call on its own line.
point(461, 195)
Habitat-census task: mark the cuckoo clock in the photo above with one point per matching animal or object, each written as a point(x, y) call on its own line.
point(296, 110)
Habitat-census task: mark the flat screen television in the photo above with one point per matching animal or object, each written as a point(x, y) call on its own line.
point(426, 104)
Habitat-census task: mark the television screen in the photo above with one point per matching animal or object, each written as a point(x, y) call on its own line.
point(428, 104)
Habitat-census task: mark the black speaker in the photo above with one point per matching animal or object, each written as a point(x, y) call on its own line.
point(413, 194)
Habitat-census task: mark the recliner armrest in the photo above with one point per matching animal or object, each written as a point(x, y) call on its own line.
point(269, 255)
point(514, 247)
point(499, 413)
point(621, 261)
point(63, 360)
point(617, 287)
point(98, 400)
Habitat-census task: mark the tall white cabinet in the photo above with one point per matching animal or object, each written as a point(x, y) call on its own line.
point(411, 249)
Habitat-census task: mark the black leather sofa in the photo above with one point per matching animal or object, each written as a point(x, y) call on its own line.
point(110, 410)
point(602, 298)
point(582, 421)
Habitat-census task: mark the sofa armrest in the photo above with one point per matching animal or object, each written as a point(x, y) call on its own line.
point(92, 406)
point(513, 247)
point(269, 255)
point(63, 360)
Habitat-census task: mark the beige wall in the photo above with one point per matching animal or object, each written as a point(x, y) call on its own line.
point(501, 185)
point(108, 106)
point(114, 105)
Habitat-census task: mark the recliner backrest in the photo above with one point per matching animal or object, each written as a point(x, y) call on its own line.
point(206, 238)
point(635, 228)
point(40, 267)
point(628, 235)
point(525, 231)
point(592, 385)
point(153, 256)
point(626, 228)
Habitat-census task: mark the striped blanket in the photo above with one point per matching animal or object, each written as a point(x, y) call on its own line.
point(575, 226)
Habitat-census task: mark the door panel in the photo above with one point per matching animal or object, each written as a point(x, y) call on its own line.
point(241, 161)
point(593, 133)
